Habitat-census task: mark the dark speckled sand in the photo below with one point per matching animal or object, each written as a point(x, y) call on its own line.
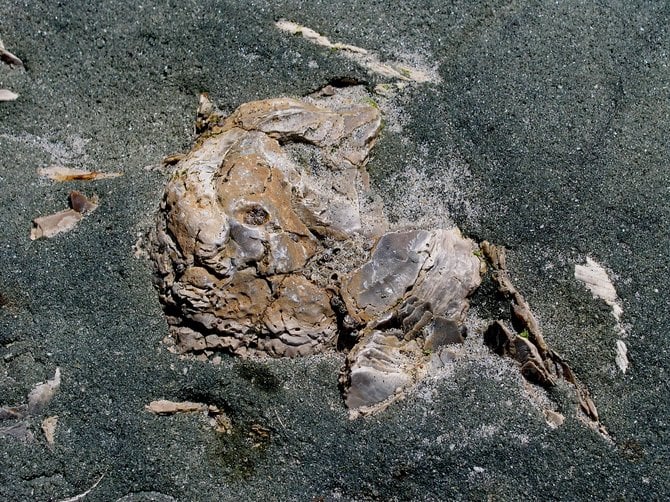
point(557, 112)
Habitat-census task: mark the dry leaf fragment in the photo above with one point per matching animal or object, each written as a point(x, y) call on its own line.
point(165, 407)
point(7, 95)
point(8, 57)
point(60, 173)
point(49, 429)
point(361, 56)
point(46, 227)
point(63, 221)
point(554, 419)
point(42, 394)
point(222, 423)
point(217, 418)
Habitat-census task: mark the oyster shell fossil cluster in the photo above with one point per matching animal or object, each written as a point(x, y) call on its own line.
point(268, 242)
point(242, 222)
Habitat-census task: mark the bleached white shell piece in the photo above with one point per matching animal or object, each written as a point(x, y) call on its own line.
point(621, 355)
point(7, 95)
point(595, 278)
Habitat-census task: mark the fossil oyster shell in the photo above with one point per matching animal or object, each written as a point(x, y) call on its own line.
point(267, 242)
point(411, 297)
point(539, 364)
point(251, 214)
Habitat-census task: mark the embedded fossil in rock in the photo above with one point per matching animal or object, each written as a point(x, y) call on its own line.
point(250, 220)
point(262, 237)
point(412, 298)
point(539, 364)
point(268, 243)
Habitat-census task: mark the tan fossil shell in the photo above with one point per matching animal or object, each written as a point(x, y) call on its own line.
point(269, 243)
point(262, 198)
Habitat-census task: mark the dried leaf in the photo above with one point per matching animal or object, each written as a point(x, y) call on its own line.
point(42, 394)
point(165, 407)
point(49, 429)
point(554, 419)
point(7, 95)
point(361, 56)
point(60, 173)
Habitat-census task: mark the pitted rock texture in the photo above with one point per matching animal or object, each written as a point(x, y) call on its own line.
point(263, 199)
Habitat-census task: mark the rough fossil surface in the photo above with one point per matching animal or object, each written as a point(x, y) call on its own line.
point(268, 242)
point(252, 217)
point(525, 343)
point(411, 297)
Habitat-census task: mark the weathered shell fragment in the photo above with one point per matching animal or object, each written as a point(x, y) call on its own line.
point(45, 227)
point(8, 57)
point(539, 364)
point(412, 299)
point(7, 95)
point(596, 279)
point(60, 173)
point(264, 196)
